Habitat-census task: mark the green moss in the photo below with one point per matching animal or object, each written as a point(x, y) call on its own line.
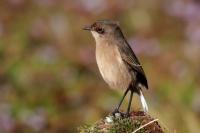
point(89, 129)
point(120, 124)
point(124, 125)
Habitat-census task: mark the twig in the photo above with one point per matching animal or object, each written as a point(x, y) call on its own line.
point(145, 125)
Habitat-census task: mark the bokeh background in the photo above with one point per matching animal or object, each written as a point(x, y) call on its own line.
point(49, 80)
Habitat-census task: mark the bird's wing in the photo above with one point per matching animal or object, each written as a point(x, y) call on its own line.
point(131, 60)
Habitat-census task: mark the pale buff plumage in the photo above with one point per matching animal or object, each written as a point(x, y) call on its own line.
point(111, 66)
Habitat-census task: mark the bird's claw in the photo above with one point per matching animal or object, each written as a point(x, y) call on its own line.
point(127, 115)
point(117, 113)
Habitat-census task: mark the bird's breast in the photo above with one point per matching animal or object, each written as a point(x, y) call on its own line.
point(112, 67)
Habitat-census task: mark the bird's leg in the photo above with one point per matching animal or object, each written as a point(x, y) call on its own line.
point(129, 104)
point(119, 105)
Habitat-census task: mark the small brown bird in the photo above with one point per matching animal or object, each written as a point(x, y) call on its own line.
point(117, 62)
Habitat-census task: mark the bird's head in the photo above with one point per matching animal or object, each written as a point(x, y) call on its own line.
point(103, 29)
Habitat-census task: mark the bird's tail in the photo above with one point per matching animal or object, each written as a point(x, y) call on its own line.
point(143, 101)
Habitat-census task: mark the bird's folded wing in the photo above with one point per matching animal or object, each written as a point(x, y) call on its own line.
point(129, 57)
point(133, 63)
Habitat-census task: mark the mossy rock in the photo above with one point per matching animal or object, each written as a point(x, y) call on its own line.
point(120, 124)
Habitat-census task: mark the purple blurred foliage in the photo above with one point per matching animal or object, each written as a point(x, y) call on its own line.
point(17, 4)
point(59, 26)
point(47, 54)
point(179, 69)
point(94, 7)
point(38, 29)
point(6, 120)
point(186, 10)
point(147, 47)
point(46, 3)
point(86, 56)
point(189, 12)
point(1, 29)
point(193, 32)
point(35, 119)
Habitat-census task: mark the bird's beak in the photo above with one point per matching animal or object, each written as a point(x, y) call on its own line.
point(87, 28)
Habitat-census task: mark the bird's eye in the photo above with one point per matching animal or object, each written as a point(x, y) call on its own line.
point(100, 30)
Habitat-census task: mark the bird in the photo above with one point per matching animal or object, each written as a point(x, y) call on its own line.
point(117, 63)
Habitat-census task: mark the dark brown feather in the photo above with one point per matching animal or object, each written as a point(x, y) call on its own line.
point(131, 60)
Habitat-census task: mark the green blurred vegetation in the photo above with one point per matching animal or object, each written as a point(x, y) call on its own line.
point(49, 80)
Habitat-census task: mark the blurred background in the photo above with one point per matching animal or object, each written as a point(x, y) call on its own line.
point(49, 80)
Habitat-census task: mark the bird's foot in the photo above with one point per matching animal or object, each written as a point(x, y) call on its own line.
point(117, 113)
point(127, 114)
